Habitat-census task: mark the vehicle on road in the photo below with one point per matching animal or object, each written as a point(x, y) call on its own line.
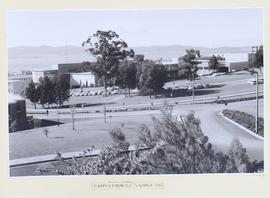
point(254, 81)
point(199, 86)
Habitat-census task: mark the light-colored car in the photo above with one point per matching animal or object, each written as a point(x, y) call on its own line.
point(199, 86)
point(190, 87)
point(254, 81)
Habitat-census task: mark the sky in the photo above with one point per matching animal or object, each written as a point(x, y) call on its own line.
point(195, 27)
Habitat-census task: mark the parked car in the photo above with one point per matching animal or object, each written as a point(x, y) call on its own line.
point(206, 86)
point(190, 87)
point(254, 81)
point(199, 86)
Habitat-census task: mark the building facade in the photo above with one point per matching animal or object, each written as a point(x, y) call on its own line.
point(16, 113)
point(18, 83)
point(84, 79)
point(37, 74)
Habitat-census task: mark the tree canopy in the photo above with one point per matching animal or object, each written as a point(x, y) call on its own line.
point(109, 50)
point(213, 62)
point(127, 75)
point(152, 78)
point(190, 62)
point(32, 92)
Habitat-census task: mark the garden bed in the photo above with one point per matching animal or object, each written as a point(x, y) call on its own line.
point(246, 120)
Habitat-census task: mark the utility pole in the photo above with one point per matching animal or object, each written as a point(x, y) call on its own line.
point(57, 116)
point(73, 117)
point(257, 104)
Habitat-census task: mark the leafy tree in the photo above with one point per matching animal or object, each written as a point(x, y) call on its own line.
point(138, 59)
point(213, 62)
point(153, 77)
point(109, 50)
point(47, 91)
point(127, 75)
point(189, 63)
point(62, 89)
point(32, 92)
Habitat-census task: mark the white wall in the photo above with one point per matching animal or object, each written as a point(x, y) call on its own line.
point(84, 78)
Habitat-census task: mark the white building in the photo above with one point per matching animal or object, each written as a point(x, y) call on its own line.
point(37, 74)
point(16, 87)
point(84, 79)
point(18, 83)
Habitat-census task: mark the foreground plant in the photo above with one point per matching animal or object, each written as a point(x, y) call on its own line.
point(173, 147)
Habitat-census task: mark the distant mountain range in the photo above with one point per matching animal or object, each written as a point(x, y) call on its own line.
point(27, 58)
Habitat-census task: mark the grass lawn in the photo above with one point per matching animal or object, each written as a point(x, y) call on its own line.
point(63, 139)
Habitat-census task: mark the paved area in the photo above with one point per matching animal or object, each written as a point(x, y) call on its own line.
point(94, 132)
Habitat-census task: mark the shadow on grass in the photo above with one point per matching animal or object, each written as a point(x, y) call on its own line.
point(198, 92)
point(55, 137)
point(78, 105)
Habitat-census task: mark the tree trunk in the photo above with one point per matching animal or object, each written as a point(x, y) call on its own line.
point(129, 92)
point(35, 105)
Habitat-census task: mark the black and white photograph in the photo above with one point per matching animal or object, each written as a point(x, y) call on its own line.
point(135, 91)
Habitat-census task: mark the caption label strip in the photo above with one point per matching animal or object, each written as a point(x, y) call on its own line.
point(127, 185)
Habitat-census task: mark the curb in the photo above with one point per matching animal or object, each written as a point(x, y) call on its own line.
point(242, 127)
point(53, 157)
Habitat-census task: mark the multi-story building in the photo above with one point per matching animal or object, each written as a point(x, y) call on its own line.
point(41, 73)
point(172, 68)
point(16, 87)
point(18, 83)
point(203, 66)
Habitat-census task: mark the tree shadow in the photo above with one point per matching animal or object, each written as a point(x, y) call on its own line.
point(184, 93)
point(56, 137)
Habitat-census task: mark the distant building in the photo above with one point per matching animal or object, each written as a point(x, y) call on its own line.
point(238, 66)
point(18, 83)
point(172, 68)
point(16, 113)
point(37, 74)
point(84, 79)
point(251, 59)
point(66, 68)
point(16, 87)
point(203, 66)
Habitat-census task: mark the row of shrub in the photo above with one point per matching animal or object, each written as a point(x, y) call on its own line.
point(246, 120)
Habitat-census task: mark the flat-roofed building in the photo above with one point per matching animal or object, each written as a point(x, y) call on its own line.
point(171, 67)
point(41, 73)
point(84, 79)
point(238, 66)
point(16, 87)
point(18, 83)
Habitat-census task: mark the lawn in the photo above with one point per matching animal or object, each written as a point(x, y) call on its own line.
point(63, 139)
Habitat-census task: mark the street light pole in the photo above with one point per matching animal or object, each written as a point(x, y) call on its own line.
point(57, 116)
point(73, 118)
point(257, 104)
